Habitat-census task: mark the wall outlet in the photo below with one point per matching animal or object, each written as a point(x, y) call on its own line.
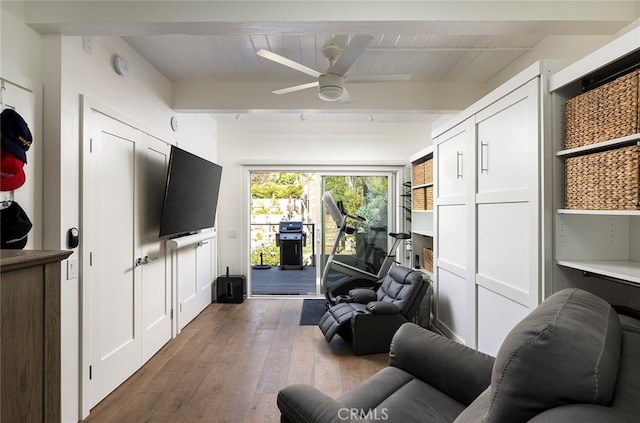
point(87, 44)
point(72, 269)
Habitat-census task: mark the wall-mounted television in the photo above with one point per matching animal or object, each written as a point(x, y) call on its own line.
point(191, 194)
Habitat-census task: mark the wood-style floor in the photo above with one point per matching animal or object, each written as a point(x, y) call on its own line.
point(228, 364)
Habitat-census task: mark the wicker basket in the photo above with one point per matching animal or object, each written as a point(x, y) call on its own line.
point(428, 198)
point(604, 181)
point(419, 198)
point(604, 113)
point(418, 174)
point(428, 171)
point(427, 259)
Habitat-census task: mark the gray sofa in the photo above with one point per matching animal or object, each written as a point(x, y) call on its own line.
point(573, 359)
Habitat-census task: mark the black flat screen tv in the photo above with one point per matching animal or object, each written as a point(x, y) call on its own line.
point(191, 194)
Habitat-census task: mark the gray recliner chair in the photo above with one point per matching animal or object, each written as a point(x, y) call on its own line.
point(572, 359)
point(368, 319)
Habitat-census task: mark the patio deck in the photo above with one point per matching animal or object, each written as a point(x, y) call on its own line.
point(274, 281)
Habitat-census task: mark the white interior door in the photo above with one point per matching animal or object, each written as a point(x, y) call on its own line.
point(113, 283)
point(156, 281)
point(127, 280)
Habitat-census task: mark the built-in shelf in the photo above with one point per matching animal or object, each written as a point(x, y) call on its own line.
point(601, 146)
point(601, 212)
point(422, 185)
point(624, 270)
point(426, 272)
point(424, 233)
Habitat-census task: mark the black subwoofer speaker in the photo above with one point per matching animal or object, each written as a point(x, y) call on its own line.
point(230, 288)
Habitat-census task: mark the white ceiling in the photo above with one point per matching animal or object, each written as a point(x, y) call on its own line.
point(433, 58)
point(200, 45)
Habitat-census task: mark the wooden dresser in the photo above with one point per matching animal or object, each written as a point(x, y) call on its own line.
point(30, 335)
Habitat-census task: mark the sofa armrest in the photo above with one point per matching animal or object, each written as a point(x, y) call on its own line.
point(362, 295)
point(305, 404)
point(455, 369)
point(382, 307)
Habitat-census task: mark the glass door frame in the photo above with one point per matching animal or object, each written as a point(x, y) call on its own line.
point(394, 172)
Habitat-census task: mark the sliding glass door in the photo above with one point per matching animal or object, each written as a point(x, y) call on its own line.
point(290, 233)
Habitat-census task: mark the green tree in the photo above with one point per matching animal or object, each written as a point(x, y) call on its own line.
point(364, 196)
point(277, 185)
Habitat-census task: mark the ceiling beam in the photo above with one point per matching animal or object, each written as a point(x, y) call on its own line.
point(406, 97)
point(116, 18)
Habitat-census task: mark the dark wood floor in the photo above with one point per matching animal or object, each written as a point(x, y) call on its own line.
point(228, 365)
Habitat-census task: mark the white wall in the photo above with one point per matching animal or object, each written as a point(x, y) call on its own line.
point(24, 74)
point(57, 66)
point(305, 143)
point(142, 97)
point(565, 49)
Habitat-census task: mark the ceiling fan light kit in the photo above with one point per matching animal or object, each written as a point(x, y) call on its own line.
point(331, 87)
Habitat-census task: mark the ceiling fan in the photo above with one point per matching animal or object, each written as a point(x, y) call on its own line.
point(331, 83)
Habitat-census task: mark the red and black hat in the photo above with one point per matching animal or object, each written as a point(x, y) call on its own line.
point(11, 172)
point(16, 136)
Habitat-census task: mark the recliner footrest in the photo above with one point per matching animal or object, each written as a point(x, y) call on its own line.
point(338, 316)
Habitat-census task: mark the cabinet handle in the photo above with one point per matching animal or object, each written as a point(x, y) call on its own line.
point(484, 157)
point(145, 260)
point(459, 165)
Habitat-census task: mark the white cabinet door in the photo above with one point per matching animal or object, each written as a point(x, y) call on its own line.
point(507, 134)
point(497, 315)
point(452, 235)
point(454, 293)
point(507, 212)
point(453, 311)
point(504, 250)
point(195, 279)
point(454, 151)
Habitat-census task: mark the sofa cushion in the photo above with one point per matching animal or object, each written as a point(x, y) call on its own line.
point(566, 351)
point(397, 396)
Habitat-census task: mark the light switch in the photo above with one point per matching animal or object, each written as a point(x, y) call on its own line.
point(72, 269)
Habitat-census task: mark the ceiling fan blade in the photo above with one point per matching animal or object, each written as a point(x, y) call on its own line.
point(296, 88)
point(350, 54)
point(346, 97)
point(377, 78)
point(287, 62)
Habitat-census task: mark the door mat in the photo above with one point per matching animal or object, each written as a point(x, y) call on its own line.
point(312, 312)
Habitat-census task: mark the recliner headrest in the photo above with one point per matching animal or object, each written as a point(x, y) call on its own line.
point(400, 273)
